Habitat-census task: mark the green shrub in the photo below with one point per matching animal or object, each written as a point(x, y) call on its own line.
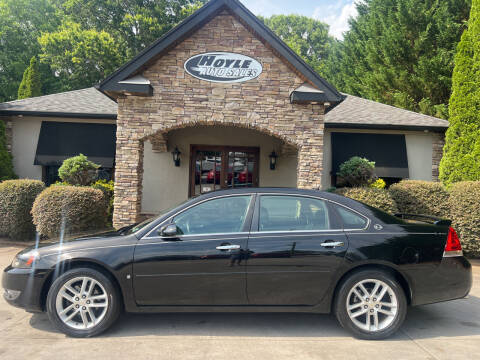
point(6, 164)
point(357, 171)
point(379, 198)
point(464, 206)
point(78, 170)
point(16, 199)
point(421, 197)
point(108, 190)
point(72, 208)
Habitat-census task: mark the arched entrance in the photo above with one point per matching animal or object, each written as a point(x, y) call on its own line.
point(212, 158)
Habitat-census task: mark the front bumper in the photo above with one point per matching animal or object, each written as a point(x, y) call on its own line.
point(23, 288)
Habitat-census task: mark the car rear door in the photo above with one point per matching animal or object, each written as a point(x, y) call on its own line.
point(204, 264)
point(295, 247)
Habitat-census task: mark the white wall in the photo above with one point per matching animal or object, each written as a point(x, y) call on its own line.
point(165, 185)
point(419, 152)
point(25, 132)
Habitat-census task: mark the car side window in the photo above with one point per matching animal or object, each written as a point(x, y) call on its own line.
point(290, 213)
point(350, 219)
point(222, 215)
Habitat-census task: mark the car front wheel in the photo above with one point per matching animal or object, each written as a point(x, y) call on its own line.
point(83, 302)
point(371, 304)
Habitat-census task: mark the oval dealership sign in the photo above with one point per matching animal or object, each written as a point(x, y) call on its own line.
point(223, 67)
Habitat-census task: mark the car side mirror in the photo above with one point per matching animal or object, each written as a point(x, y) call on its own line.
point(169, 230)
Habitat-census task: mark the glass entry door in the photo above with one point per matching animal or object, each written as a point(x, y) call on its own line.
point(222, 167)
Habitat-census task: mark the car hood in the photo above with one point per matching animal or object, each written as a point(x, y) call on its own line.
point(88, 240)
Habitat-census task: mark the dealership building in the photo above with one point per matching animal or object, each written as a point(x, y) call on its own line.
point(217, 102)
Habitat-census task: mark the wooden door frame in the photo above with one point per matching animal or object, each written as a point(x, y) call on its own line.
point(224, 150)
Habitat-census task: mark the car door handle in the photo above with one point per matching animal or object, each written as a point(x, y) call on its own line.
point(228, 247)
point(332, 244)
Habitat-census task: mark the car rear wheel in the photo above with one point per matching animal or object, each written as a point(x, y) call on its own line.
point(371, 304)
point(83, 302)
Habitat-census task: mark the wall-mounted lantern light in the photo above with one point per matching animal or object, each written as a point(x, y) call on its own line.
point(273, 160)
point(176, 156)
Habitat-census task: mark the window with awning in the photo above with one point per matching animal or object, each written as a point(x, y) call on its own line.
point(60, 140)
point(389, 151)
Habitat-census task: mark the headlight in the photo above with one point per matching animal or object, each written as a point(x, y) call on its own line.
point(26, 260)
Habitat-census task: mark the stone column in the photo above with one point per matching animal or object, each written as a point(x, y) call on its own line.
point(309, 133)
point(438, 142)
point(128, 178)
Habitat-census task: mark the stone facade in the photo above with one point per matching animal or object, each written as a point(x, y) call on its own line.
point(180, 100)
point(437, 153)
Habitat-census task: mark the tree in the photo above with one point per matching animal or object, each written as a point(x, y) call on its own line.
point(31, 84)
point(400, 52)
point(6, 165)
point(134, 24)
point(461, 154)
point(307, 37)
point(21, 23)
point(79, 57)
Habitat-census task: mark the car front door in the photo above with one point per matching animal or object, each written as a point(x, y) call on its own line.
point(295, 246)
point(203, 262)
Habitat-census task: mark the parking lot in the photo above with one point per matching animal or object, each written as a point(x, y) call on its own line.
point(448, 330)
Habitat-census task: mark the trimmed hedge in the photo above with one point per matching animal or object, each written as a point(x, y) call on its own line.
point(421, 197)
point(75, 208)
point(464, 206)
point(16, 199)
point(107, 187)
point(379, 198)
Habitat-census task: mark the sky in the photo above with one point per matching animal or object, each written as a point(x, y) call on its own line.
point(333, 12)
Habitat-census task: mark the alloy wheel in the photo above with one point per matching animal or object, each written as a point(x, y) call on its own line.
point(372, 305)
point(82, 303)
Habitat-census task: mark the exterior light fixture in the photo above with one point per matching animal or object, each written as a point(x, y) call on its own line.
point(273, 160)
point(176, 156)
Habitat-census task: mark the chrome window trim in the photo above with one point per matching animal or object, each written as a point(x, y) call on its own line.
point(147, 236)
point(188, 241)
point(324, 199)
point(261, 236)
point(297, 231)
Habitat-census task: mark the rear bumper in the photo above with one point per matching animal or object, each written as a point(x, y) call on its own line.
point(23, 288)
point(452, 280)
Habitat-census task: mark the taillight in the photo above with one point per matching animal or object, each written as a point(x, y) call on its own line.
point(453, 246)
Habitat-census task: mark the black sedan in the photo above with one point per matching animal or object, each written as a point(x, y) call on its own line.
point(249, 250)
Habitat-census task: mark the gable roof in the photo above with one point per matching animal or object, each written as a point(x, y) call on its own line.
point(356, 112)
point(193, 22)
point(84, 103)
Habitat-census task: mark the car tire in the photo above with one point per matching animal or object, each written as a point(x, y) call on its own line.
point(80, 310)
point(362, 309)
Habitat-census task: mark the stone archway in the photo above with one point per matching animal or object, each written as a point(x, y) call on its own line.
point(306, 140)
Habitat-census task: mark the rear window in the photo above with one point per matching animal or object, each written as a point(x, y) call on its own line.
point(350, 219)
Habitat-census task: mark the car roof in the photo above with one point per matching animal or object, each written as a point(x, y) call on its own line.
point(272, 190)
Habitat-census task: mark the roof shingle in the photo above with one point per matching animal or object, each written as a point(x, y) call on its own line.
point(357, 111)
point(85, 101)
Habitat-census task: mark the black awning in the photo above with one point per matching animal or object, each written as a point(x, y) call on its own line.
point(60, 140)
point(389, 151)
